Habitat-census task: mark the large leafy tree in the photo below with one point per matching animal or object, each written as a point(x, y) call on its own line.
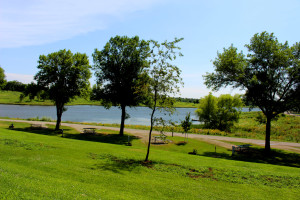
point(164, 80)
point(65, 75)
point(270, 75)
point(120, 71)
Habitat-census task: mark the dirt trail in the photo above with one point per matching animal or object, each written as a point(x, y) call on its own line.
point(143, 134)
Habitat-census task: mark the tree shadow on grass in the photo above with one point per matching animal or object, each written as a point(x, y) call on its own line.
point(258, 155)
point(104, 138)
point(67, 133)
point(43, 130)
point(117, 164)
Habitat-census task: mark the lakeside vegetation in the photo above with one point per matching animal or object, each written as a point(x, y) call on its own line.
point(38, 163)
point(286, 128)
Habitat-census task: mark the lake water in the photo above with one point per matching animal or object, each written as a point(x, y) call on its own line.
point(88, 113)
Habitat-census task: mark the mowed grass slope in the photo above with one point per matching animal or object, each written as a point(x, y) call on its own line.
point(39, 164)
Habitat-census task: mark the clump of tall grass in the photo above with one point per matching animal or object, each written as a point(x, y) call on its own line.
point(45, 119)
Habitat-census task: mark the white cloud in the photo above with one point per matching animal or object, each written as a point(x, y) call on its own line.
point(201, 91)
point(34, 22)
point(19, 77)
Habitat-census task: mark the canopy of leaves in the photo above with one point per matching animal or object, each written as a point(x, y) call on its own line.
point(270, 73)
point(165, 80)
point(120, 70)
point(64, 74)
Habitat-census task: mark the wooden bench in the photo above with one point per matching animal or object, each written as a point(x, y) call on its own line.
point(89, 130)
point(37, 126)
point(241, 148)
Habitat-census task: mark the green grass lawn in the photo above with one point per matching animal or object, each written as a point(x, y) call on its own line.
point(40, 164)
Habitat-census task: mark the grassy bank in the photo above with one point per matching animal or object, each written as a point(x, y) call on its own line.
point(12, 97)
point(38, 164)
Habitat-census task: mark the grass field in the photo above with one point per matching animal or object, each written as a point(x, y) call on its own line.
point(40, 164)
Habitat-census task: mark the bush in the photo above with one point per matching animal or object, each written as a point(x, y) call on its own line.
point(219, 113)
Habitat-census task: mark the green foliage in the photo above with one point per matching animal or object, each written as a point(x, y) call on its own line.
point(207, 110)
point(64, 75)
point(14, 86)
point(186, 123)
point(219, 113)
point(270, 74)
point(2, 78)
point(32, 90)
point(187, 100)
point(120, 71)
point(261, 118)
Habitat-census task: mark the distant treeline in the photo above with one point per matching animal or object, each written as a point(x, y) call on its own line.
point(14, 86)
point(21, 87)
point(187, 100)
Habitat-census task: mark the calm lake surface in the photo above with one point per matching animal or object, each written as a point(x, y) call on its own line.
point(88, 113)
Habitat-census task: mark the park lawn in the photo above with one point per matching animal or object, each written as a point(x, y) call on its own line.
point(40, 164)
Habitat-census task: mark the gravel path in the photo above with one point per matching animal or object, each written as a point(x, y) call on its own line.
point(144, 134)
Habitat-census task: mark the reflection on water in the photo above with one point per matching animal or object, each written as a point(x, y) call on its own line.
point(87, 113)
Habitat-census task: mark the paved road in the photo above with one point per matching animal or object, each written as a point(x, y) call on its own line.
point(144, 134)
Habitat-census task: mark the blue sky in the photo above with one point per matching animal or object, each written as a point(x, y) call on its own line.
point(29, 28)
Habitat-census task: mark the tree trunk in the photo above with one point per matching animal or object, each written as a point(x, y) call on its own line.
point(150, 133)
point(59, 111)
point(268, 134)
point(123, 108)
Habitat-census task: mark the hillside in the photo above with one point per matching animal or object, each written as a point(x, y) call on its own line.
point(39, 164)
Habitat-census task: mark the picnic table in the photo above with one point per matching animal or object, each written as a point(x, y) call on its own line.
point(159, 139)
point(89, 130)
